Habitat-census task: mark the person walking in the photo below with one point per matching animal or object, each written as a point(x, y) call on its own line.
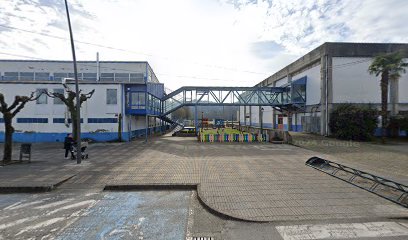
point(68, 142)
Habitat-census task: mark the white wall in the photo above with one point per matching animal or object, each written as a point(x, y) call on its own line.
point(352, 82)
point(312, 84)
point(281, 82)
point(95, 107)
point(254, 115)
point(403, 88)
point(267, 115)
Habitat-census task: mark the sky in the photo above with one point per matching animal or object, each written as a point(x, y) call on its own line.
point(196, 42)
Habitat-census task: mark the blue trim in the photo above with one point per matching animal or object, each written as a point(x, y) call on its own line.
point(147, 75)
point(62, 120)
point(32, 120)
point(1, 120)
point(59, 137)
point(102, 120)
point(378, 132)
point(300, 81)
point(22, 137)
point(267, 125)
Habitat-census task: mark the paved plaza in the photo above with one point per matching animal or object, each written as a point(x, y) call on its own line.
point(255, 182)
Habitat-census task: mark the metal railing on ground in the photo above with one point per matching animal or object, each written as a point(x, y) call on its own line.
point(388, 189)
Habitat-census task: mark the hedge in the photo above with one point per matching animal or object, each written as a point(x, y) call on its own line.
point(352, 122)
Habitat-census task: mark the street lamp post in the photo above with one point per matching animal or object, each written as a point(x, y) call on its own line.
point(78, 103)
point(202, 120)
point(261, 119)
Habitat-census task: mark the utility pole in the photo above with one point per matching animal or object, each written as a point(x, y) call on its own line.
point(78, 103)
point(261, 119)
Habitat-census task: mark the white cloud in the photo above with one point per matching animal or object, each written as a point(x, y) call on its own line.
point(205, 39)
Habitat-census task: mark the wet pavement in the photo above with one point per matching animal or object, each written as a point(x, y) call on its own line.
point(94, 215)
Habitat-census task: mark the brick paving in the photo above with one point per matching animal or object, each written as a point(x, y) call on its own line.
point(258, 182)
point(388, 160)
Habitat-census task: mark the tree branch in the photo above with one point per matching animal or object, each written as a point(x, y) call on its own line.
point(22, 100)
point(86, 96)
point(3, 104)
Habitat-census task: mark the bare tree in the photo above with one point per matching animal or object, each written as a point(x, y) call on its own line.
point(70, 101)
point(9, 112)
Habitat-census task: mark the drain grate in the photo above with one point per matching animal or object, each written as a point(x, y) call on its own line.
point(388, 189)
point(203, 238)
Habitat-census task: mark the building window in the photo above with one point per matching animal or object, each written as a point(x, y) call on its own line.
point(89, 76)
point(111, 96)
point(62, 120)
point(11, 76)
point(107, 77)
point(122, 77)
point(42, 76)
point(26, 76)
point(102, 120)
point(60, 76)
point(72, 75)
point(137, 77)
point(43, 98)
point(32, 120)
point(138, 100)
point(57, 100)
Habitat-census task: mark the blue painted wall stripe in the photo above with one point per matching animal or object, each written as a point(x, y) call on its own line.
point(102, 120)
point(32, 120)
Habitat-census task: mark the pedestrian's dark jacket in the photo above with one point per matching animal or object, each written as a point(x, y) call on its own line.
point(68, 142)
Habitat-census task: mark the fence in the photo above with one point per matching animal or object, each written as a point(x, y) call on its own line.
point(248, 137)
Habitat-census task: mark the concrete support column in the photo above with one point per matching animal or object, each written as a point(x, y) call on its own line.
point(260, 111)
point(326, 93)
point(394, 98)
point(245, 121)
point(250, 116)
point(274, 126)
point(196, 118)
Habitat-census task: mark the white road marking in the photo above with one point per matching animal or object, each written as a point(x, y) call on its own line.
point(19, 221)
point(54, 204)
point(25, 205)
point(12, 205)
point(41, 225)
point(79, 204)
point(343, 230)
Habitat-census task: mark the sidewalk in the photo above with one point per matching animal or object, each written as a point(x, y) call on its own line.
point(257, 182)
point(388, 160)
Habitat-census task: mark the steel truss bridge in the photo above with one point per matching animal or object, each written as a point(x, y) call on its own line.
point(281, 98)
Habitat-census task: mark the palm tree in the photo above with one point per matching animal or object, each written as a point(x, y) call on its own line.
point(390, 66)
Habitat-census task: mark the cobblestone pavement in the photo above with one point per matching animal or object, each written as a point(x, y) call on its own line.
point(258, 182)
point(389, 160)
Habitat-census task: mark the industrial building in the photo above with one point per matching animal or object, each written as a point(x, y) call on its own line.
point(126, 101)
point(329, 75)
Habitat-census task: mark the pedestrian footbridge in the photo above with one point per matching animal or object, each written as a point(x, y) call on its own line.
point(288, 97)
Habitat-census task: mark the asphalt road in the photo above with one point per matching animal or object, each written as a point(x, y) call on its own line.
point(94, 215)
point(85, 214)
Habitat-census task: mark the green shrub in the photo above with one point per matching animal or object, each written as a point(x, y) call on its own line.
point(352, 122)
point(398, 123)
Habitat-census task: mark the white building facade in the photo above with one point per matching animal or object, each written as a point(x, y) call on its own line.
point(333, 73)
point(125, 102)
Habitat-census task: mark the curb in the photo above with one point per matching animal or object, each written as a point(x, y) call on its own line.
point(33, 189)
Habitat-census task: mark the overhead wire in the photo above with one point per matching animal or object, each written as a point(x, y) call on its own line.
point(124, 70)
point(129, 51)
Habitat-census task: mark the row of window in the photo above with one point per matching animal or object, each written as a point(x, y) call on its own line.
point(45, 76)
point(62, 120)
point(111, 96)
point(137, 100)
